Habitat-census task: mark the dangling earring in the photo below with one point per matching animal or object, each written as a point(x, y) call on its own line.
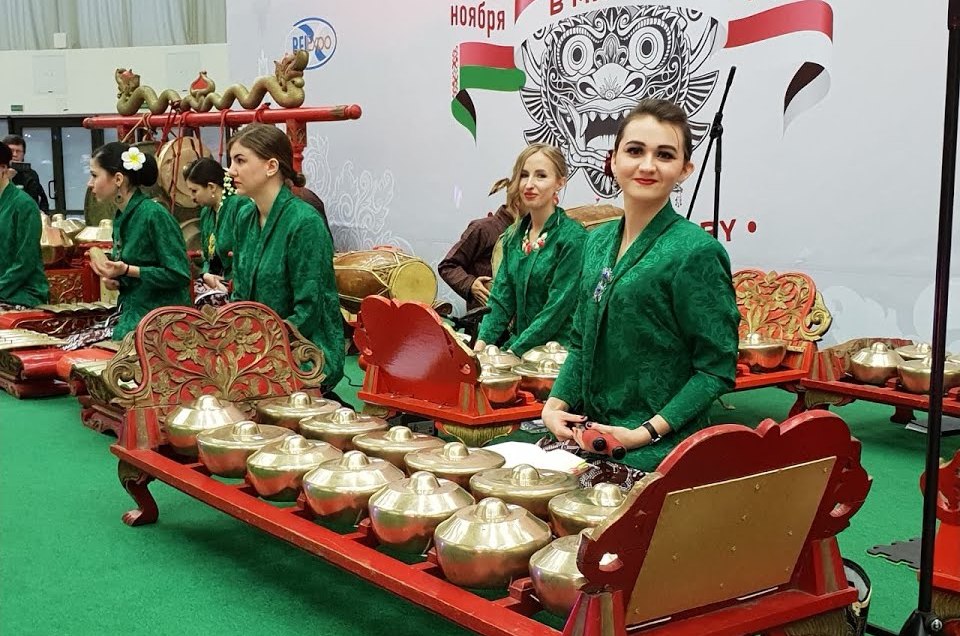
point(679, 190)
point(118, 198)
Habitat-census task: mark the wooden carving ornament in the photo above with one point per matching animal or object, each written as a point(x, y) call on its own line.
point(285, 87)
point(238, 352)
point(785, 306)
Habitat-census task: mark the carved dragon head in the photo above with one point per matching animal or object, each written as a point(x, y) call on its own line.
point(127, 81)
point(290, 68)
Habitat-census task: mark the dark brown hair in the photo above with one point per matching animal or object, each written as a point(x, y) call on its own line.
point(110, 158)
point(203, 171)
point(15, 140)
point(665, 112)
point(269, 142)
point(6, 155)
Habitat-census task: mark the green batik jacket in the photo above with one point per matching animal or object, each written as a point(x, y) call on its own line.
point(654, 333)
point(216, 234)
point(538, 291)
point(22, 281)
point(146, 235)
point(288, 266)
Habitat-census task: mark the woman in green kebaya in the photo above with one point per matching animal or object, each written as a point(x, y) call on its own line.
point(534, 292)
point(149, 260)
point(283, 250)
point(212, 189)
point(22, 281)
point(655, 334)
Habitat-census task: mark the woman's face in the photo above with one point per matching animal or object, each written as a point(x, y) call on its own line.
point(539, 183)
point(103, 184)
point(249, 172)
point(204, 195)
point(649, 160)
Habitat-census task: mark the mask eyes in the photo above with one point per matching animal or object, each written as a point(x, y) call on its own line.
point(647, 47)
point(576, 54)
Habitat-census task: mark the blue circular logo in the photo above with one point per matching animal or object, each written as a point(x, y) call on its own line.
point(317, 37)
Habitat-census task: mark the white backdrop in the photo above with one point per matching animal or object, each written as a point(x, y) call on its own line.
point(844, 185)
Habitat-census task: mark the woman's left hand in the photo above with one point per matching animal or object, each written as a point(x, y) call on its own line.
point(624, 435)
point(109, 269)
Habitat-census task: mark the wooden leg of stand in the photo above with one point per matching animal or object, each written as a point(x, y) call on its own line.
point(597, 614)
point(136, 483)
point(799, 405)
point(903, 415)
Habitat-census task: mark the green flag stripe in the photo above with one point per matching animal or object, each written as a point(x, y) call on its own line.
point(494, 79)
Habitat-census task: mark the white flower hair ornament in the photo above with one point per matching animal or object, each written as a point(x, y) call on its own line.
point(133, 158)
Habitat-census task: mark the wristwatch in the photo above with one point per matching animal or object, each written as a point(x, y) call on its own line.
point(654, 435)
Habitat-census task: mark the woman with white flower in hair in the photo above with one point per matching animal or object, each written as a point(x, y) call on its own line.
point(149, 261)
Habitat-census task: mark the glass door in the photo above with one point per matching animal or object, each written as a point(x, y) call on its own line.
point(59, 150)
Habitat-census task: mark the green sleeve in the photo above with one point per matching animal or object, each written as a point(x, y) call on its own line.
point(26, 259)
point(561, 297)
point(308, 248)
point(503, 298)
point(205, 229)
point(705, 307)
point(569, 384)
point(174, 270)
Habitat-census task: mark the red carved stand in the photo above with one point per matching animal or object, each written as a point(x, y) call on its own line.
point(816, 585)
point(295, 120)
point(830, 382)
point(32, 371)
point(415, 364)
point(946, 563)
point(787, 307)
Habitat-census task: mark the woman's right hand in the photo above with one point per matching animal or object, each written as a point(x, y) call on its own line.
point(558, 420)
point(479, 345)
point(111, 283)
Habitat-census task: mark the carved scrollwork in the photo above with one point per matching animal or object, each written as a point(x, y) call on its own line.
point(10, 364)
point(66, 287)
point(786, 306)
point(307, 357)
point(239, 351)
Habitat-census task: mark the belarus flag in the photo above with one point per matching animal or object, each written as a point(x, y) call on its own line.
point(485, 66)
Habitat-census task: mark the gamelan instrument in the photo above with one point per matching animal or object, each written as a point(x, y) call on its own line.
point(383, 272)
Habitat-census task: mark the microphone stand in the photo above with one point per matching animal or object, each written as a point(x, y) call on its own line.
point(923, 620)
point(716, 135)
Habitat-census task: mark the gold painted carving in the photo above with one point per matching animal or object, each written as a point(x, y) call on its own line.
point(786, 306)
point(238, 352)
point(285, 87)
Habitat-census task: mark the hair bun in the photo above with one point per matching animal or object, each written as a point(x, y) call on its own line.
point(299, 180)
point(146, 175)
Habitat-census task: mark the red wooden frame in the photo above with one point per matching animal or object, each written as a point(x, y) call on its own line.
point(415, 364)
point(817, 585)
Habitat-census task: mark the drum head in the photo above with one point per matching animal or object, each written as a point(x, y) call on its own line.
point(414, 280)
point(174, 156)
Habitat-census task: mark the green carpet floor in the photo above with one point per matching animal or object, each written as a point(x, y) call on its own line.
point(68, 566)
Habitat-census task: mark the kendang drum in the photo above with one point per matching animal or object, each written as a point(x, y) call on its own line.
point(173, 157)
point(383, 272)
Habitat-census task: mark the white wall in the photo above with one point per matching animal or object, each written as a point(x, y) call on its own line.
point(81, 81)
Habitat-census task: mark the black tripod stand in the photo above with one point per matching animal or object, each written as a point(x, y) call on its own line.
point(716, 136)
point(923, 621)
